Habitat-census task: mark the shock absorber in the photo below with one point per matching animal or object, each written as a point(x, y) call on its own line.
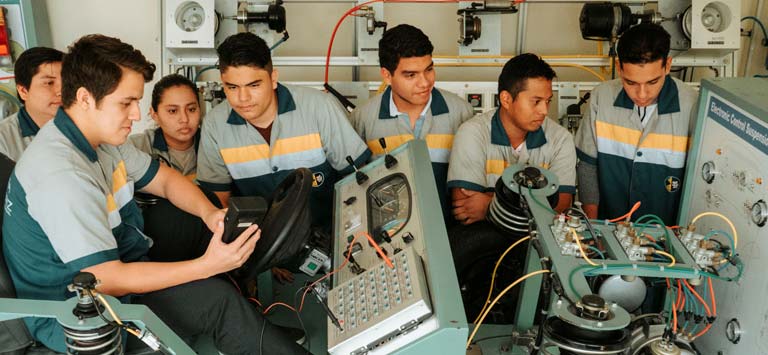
point(93, 335)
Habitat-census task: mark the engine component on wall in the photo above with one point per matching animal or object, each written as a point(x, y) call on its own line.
point(470, 28)
point(607, 21)
point(274, 16)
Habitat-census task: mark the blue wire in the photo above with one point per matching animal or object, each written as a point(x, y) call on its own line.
point(715, 232)
point(658, 247)
point(602, 256)
point(279, 42)
point(197, 76)
point(688, 306)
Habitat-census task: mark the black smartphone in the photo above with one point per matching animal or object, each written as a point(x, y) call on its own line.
point(242, 213)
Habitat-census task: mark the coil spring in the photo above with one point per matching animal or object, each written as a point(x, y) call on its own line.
point(505, 212)
point(106, 340)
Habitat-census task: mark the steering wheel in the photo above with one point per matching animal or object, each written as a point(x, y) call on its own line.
point(286, 226)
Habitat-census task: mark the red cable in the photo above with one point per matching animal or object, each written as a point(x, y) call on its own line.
point(350, 11)
point(349, 254)
point(333, 35)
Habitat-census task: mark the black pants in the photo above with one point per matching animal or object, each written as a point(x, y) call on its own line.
point(176, 235)
point(212, 307)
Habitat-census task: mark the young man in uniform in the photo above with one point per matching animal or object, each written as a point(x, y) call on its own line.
point(265, 130)
point(633, 145)
point(38, 83)
point(70, 208)
point(411, 107)
point(518, 132)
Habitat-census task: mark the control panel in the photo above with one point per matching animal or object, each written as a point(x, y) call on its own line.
point(391, 257)
point(726, 175)
point(379, 305)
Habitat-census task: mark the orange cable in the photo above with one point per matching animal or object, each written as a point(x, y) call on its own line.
point(628, 215)
point(703, 331)
point(674, 319)
point(696, 294)
point(349, 254)
point(378, 250)
point(712, 293)
point(255, 300)
point(278, 304)
point(234, 283)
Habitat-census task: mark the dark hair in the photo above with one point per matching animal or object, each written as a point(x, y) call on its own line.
point(244, 49)
point(29, 62)
point(95, 62)
point(171, 81)
point(519, 69)
point(402, 41)
point(644, 43)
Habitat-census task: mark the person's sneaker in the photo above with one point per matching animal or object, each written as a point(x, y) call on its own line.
point(294, 334)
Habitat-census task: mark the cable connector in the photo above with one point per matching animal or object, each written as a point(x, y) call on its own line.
point(711, 320)
point(152, 341)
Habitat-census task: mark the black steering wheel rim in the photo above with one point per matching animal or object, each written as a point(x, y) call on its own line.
point(288, 216)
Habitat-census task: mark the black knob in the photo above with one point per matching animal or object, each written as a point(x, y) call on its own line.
point(359, 175)
point(351, 162)
point(84, 280)
point(389, 160)
point(593, 301)
point(385, 235)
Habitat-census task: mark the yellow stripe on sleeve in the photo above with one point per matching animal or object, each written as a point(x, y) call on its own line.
point(111, 205)
point(119, 177)
point(495, 167)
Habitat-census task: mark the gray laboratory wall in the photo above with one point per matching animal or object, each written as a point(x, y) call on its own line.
point(552, 29)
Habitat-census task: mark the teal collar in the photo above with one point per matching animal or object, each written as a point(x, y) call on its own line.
point(64, 123)
point(26, 124)
point(438, 105)
point(669, 100)
point(533, 139)
point(285, 104)
point(160, 144)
